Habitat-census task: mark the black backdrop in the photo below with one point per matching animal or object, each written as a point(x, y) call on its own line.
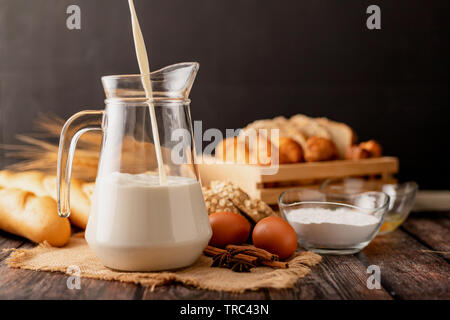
point(258, 59)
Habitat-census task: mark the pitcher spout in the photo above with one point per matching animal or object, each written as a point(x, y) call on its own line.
point(176, 79)
point(171, 82)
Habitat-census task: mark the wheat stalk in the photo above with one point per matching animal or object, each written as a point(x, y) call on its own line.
point(36, 153)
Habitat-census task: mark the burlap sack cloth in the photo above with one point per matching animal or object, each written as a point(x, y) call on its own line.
point(77, 253)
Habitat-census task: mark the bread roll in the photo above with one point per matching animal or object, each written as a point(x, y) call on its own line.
point(35, 218)
point(285, 127)
point(43, 185)
point(355, 152)
point(232, 150)
point(372, 147)
point(364, 150)
point(300, 127)
point(341, 134)
point(289, 150)
point(262, 153)
point(296, 135)
point(320, 149)
point(309, 126)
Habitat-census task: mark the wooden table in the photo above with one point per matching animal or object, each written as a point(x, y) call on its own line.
point(413, 261)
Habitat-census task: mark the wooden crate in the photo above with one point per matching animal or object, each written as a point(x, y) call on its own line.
point(308, 175)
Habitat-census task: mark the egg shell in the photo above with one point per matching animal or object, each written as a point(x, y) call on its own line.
point(275, 235)
point(228, 228)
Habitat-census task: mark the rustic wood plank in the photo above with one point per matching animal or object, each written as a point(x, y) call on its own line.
point(431, 228)
point(249, 177)
point(407, 272)
point(7, 241)
point(333, 169)
point(27, 284)
point(336, 277)
point(179, 291)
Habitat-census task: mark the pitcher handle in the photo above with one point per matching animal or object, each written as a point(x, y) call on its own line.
point(77, 124)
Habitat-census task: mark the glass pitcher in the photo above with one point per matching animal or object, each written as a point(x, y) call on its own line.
point(136, 223)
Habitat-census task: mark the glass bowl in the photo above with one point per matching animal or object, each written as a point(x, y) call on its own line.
point(333, 225)
point(402, 197)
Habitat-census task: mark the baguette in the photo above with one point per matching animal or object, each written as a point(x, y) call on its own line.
point(43, 185)
point(33, 217)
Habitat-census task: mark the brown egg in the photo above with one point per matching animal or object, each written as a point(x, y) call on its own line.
point(276, 236)
point(228, 228)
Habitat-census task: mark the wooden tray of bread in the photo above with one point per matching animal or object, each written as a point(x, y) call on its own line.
point(311, 150)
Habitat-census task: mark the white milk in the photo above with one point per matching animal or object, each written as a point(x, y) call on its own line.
point(136, 224)
point(142, 57)
point(332, 228)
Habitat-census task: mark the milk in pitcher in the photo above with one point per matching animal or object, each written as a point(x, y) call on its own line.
point(138, 224)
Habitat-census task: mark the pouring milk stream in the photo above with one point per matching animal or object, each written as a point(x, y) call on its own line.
point(142, 57)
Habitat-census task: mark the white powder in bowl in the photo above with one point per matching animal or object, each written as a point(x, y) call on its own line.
point(332, 228)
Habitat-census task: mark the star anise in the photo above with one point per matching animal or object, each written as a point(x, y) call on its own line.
point(221, 260)
point(241, 267)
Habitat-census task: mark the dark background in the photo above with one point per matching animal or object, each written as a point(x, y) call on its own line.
point(258, 59)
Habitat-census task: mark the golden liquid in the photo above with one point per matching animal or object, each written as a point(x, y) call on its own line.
point(391, 223)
